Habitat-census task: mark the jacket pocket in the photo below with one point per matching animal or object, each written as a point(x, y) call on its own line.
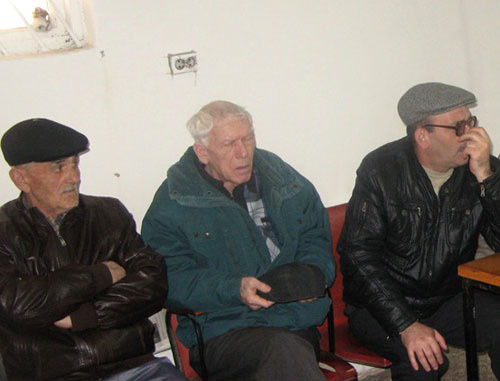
point(218, 245)
point(358, 210)
point(112, 345)
point(459, 224)
point(405, 227)
point(203, 239)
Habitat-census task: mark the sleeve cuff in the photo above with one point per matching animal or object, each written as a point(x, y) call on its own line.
point(102, 276)
point(84, 318)
point(231, 292)
point(405, 325)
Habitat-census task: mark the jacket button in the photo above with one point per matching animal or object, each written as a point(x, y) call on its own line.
point(467, 212)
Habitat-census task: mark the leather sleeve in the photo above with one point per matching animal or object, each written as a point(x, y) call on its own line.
point(489, 192)
point(143, 291)
point(40, 300)
point(367, 283)
point(39, 285)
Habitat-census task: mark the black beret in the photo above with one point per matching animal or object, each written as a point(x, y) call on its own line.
point(294, 281)
point(431, 98)
point(41, 140)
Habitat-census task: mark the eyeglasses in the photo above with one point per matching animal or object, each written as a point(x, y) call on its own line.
point(459, 127)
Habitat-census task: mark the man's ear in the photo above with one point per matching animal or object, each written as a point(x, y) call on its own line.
point(201, 151)
point(19, 178)
point(422, 137)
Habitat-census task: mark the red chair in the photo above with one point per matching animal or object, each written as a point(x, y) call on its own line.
point(333, 368)
point(343, 344)
point(336, 369)
point(180, 352)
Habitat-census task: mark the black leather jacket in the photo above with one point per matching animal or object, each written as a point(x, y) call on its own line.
point(45, 276)
point(401, 245)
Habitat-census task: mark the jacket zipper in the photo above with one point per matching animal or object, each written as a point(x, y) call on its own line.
point(483, 190)
point(61, 239)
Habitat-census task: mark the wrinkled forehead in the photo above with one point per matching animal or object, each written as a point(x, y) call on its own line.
point(45, 165)
point(231, 130)
point(233, 119)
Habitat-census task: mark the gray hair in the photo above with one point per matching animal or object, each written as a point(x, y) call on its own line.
point(410, 129)
point(201, 123)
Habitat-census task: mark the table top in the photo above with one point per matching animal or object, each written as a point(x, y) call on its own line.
point(486, 270)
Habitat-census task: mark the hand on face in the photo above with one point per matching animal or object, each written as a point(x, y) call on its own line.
point(478, 147)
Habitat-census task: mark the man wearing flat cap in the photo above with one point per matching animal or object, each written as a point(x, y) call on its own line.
point(416, 211)
point(77, 283)
point(247, 242)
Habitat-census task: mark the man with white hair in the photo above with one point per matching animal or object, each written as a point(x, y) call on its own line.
point(228, 214)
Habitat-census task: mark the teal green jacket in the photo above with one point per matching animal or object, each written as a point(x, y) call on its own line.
point(209, 243)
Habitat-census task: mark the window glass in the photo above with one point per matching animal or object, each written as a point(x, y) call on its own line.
point(9, 17)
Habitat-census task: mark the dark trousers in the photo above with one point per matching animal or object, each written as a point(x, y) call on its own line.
point(3, 377)
point(448, 320)
point(262, 353)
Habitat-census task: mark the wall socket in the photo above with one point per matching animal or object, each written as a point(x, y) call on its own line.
point(181, 63)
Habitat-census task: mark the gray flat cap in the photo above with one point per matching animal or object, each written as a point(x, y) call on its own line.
point(431, 98)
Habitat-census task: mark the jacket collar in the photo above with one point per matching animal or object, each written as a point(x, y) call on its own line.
point(39, 218)
point(188, 187)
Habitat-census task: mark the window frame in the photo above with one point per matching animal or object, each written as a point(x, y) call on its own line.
point(69, 31)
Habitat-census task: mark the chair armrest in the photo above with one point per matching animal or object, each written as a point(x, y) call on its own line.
point(199, 336)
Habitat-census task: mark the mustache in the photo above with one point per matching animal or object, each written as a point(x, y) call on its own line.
point(70, 188)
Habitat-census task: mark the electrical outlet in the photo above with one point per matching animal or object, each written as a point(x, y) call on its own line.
point(181, 63)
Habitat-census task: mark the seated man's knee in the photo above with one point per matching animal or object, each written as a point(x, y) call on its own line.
point(288, 356)
point(403, 370)
point(283, 342)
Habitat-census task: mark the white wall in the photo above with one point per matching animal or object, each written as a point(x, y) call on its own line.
point(322, 79)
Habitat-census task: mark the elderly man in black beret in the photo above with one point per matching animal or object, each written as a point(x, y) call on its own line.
point(417, 209)
point(77, 283)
